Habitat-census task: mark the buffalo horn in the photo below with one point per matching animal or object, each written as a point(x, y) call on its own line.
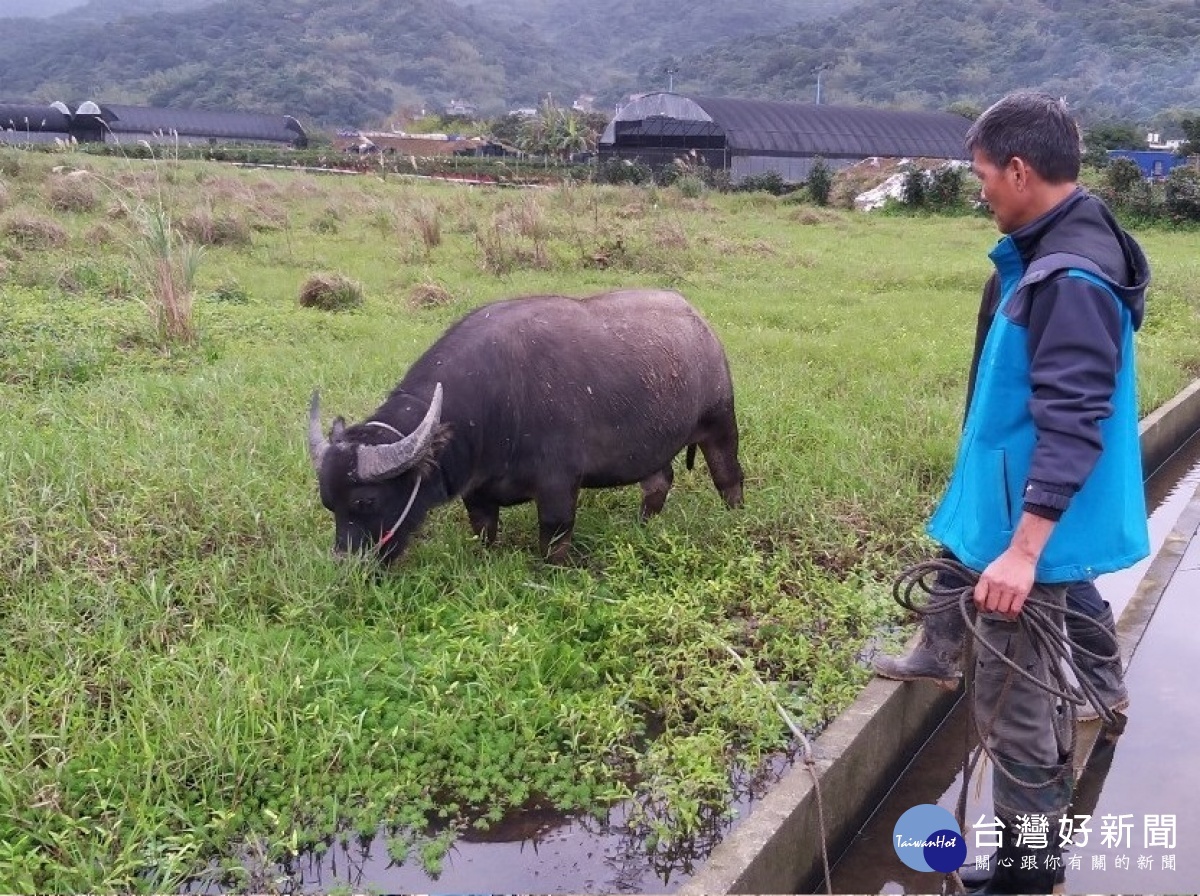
point(317, 443)
point(377, 462)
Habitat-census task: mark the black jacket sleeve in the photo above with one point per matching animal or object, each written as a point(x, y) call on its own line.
point(1075, 354)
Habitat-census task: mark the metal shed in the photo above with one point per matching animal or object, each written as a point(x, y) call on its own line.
point(756, 136)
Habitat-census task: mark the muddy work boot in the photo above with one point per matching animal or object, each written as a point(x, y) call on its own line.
point(1105, 674)
point(1021, 869)
point(976, 880)
point(937, 657)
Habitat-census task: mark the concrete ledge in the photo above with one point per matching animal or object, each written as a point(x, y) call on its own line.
point(857, 758)
point(777, 847)
point(1166, 430)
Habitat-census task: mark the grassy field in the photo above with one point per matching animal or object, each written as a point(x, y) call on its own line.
point(185, 673)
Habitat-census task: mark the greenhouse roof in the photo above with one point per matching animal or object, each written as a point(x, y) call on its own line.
point(762, 126)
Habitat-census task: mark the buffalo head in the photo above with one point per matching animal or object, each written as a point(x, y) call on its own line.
point(375, 479)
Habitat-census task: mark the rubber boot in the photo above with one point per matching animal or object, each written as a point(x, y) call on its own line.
point(937, 657)
point(1024, 868)
point(975, 879)
point(1105, 675)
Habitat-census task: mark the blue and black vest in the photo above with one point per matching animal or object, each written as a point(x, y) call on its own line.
point(1104, 527)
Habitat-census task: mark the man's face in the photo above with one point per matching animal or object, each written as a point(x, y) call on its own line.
point(1003, 189)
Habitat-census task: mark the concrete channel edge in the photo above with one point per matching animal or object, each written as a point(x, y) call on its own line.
point(777, 847)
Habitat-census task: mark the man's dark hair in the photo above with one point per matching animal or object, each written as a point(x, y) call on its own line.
point(1035, 126)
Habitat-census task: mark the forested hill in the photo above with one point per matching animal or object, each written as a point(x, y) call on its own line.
point(352, 62)
point(628, 45)
point(355, 62)
point(1112, 59)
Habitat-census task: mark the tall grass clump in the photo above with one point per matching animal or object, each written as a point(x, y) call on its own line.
point(330, 292)
point(428, 222)
point(167, 264)
point(30, 230)
point(72, 192)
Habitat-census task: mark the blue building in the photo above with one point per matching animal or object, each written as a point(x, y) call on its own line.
point(1152, 162)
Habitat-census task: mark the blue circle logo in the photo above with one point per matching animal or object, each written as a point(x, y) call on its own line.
point(927, 838)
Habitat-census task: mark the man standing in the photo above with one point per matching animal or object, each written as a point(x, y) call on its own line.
point(937, 656)
point(1047, 485)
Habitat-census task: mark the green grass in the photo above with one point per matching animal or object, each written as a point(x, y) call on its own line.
point(185, 672)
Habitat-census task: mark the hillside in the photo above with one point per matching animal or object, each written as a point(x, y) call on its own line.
point(346, 65)
point(1112, 59)
point(627, 45)
point(358, 62)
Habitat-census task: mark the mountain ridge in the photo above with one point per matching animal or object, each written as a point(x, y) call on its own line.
point(362, 61)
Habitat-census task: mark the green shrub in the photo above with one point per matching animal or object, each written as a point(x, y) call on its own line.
point(230, 292)
point(1122, 176)
point(820, 181)
point(768, 182)
point(1181, 194)
point(915, 189)
point(667, 175)
point(690, 186)
point(622, 171)
point(945, 187)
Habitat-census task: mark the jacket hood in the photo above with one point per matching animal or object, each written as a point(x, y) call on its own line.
point(1082, 225)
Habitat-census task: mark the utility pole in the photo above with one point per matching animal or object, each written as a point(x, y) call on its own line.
point(824, 66)
point(670, 78)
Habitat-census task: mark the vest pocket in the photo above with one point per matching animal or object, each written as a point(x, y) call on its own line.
point(992, 509)
point(1006, 508)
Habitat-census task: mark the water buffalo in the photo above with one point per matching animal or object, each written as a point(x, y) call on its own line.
point(532, 399)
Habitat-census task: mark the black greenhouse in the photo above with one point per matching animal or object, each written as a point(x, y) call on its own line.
point(104, 123)
point(752, 137)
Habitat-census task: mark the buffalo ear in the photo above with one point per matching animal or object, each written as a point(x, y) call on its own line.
point(338, 432)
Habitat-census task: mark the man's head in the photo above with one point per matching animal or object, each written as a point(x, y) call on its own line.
point(1025, 152)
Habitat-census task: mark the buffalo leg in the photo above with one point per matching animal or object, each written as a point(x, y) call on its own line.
point(484, 517)
point(720, 449)
point(654, 491)
point(556, 522)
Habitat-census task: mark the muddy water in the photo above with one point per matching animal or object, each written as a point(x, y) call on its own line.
point(1150, 771)
point(533, 852)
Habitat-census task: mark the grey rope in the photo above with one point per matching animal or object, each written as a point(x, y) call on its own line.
point(1042, 631)
point(806, 753)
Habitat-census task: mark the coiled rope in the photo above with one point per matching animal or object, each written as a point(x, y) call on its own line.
point(1039, 622)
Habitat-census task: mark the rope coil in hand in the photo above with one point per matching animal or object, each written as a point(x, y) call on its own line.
point(1039, 621)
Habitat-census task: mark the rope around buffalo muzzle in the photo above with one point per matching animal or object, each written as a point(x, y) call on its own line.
point(1039, 623)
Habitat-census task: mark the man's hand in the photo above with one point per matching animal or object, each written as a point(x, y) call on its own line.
point(1005, 584)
